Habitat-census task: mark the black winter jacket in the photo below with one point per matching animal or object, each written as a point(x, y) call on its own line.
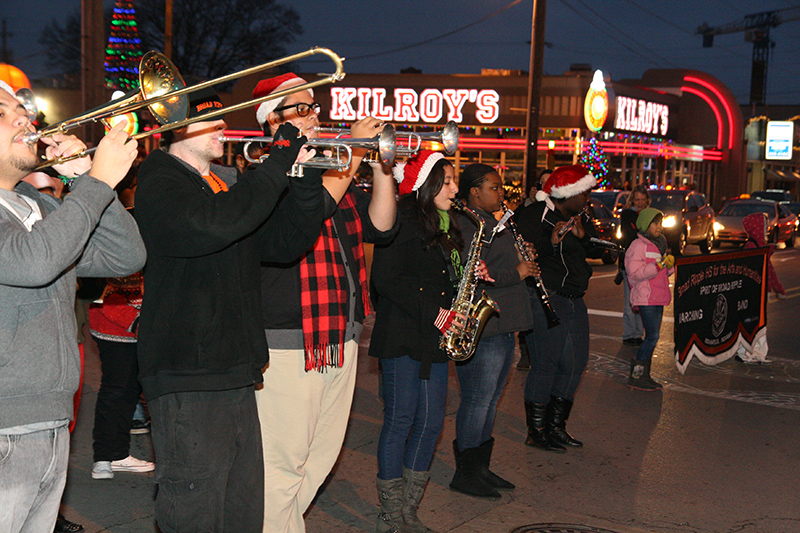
point(410, 282)
point(200, 327)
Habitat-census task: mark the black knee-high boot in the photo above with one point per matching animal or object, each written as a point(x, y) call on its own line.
point(557, 414)
point(535, 415)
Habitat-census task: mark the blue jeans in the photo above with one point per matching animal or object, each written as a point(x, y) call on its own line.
point(33, 472)
point(631, 322)
point(482, 379)
point(413, 416)
point(561, 353)
point(651, 318)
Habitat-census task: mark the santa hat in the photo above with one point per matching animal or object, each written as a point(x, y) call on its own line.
point(7, 88)
point(273, 85)
point(566, 182)
point(413, 173)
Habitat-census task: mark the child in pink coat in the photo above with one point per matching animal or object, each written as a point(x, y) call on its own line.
point(648, 267)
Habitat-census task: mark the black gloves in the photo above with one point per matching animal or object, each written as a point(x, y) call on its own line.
point(286, 145)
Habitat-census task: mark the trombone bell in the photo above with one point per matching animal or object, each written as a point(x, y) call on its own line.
point(157, 77)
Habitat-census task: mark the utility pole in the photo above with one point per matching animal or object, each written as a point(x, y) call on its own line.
point(168, 30)
point(5, 53)
point(92, 57)
point(534, 90)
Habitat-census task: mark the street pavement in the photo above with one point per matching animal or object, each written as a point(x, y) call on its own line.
point(715, 451)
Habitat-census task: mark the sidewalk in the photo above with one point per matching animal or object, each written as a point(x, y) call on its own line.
point(715, 451)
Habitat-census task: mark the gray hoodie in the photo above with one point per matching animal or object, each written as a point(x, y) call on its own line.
point(89, 235)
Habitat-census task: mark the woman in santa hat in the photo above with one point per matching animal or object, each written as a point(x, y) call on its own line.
point(414, 279)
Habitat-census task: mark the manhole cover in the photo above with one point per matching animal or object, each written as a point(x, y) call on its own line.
point(559, 528)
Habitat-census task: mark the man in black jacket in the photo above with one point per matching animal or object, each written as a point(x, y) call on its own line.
point(201, 341)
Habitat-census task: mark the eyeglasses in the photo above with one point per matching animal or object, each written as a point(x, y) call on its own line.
point(302, 108)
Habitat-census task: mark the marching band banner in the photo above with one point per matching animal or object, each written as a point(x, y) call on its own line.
point(720, 303)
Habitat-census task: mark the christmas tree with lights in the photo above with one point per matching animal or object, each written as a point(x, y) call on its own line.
point(596, 162)
point(124, 50)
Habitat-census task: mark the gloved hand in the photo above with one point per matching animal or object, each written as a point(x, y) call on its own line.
point(286, 145)
point(667, 261)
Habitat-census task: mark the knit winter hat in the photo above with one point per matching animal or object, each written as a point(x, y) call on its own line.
point(273, 85)
point(566, 182)
point(646, 217)
point(413, 173)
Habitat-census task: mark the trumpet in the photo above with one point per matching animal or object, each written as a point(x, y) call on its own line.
point(410, 142)
point(164, 92)
point(384, 145)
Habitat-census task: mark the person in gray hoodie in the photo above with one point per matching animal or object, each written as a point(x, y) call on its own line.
point(44, 245)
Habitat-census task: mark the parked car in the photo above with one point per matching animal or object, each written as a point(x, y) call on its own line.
point(782, 222)
point(688, 219)
point(794, 207)
point(779, 195)
point(606, 226)
point(607, 197)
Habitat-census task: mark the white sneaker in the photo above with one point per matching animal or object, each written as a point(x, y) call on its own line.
point(102, 470)
point(132, 464)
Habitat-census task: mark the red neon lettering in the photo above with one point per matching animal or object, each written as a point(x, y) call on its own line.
point(430, 105)
point(405, 105)
point(488, 110)
point(379, 109)
point(341, 108)
point(455, 98)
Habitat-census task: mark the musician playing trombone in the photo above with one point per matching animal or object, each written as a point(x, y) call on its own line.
point(201, 342)
point(45, 244)
point(561, 231)
point(313, 314)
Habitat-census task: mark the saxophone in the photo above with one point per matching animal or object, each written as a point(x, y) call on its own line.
point(460, 345)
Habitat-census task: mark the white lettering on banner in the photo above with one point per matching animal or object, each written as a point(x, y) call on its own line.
point(341, 109)
point(455, 98)
point(379, 109)
point(405, 105)
point(409, 106)
point(430, 105)
point(642, 116)
point(488, 110)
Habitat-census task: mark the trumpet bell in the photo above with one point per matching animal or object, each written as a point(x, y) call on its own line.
point(28, 101)
point(159, 76)
point(387, 145)
point(450, 137)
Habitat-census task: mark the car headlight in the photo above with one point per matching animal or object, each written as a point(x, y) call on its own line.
point(619, 233)
point(669, 221)
point(718, 226)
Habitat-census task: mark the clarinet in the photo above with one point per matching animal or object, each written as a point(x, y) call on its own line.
point(571, 222)
point(533, 281)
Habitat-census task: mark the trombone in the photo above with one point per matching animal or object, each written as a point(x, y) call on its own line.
point(164, 92)
point(384, 146)
point(448, 137)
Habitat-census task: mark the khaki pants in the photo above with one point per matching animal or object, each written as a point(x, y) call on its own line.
point(303, 419)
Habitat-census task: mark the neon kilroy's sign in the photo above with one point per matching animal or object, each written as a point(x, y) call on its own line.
point(720, 304)
point(407, 105)
point(642, 116)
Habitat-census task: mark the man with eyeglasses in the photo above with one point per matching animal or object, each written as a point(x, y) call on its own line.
point(313, 313)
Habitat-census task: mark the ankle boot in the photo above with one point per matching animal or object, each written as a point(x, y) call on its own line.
point(555, 429)
point(535, 414)
point(650, 380)
point(485, 457)
point(639, 377)
point(467, 478)
point(413, 487)
point(390, 494)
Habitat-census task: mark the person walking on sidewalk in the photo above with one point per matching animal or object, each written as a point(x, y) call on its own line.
point(483, 377)
point(648, 266)
point(414, 279)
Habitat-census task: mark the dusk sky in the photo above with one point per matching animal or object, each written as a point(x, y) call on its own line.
point(622, 37)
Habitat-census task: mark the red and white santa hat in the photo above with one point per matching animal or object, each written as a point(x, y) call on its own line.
point(273, 85)
point(412, 174)
point(6, 87)
point(566, 182)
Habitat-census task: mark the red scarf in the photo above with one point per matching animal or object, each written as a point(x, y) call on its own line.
point(323, 295)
